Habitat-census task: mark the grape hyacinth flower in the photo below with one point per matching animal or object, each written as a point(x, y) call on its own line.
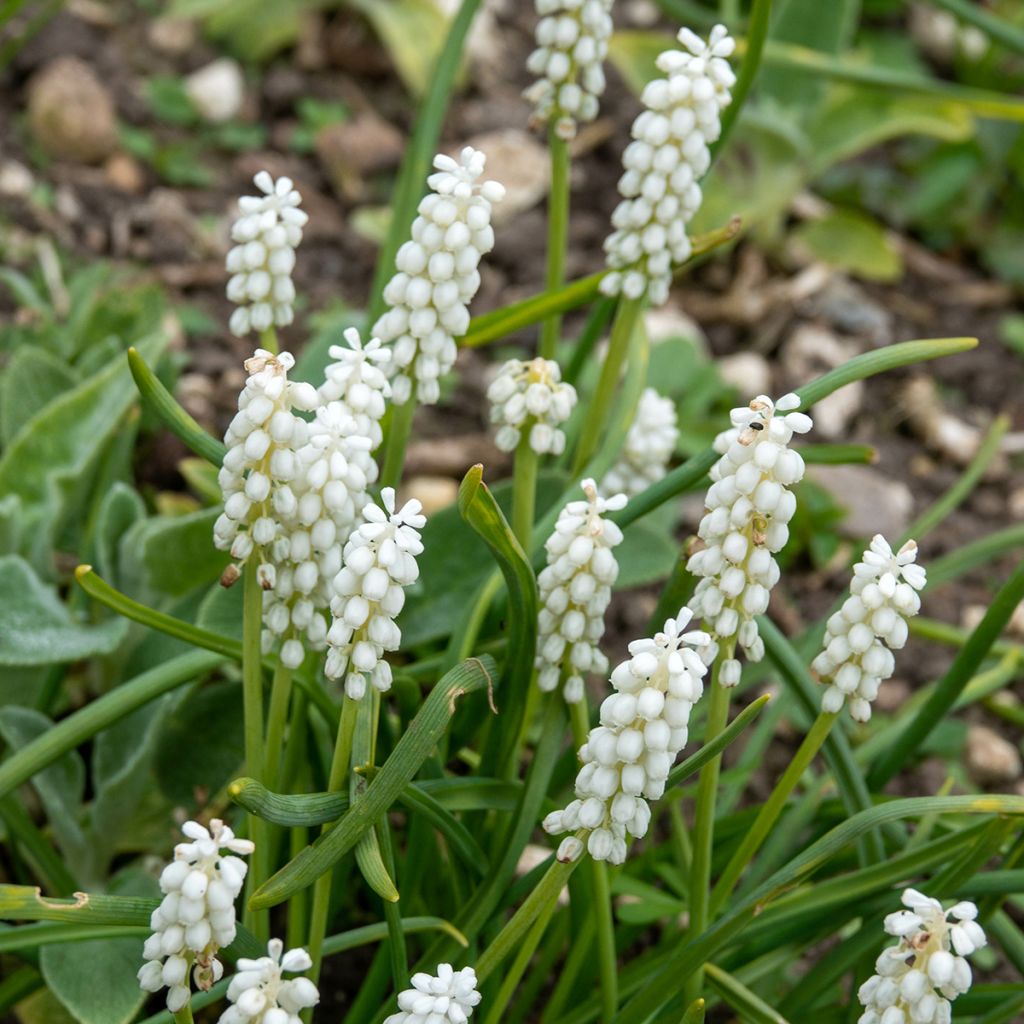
point(649, 446)
point(358, 379)
point(668, 155)
point(449, 997)
point(531, 397)
point(575, 588)
point(918, 977)
point(860, 637)
point(748, 508)
point(197, 915)
point(572, 43)
point(437, 276)
point(627, 758)
point(260, 464)
point(261, 995)
point(378, 562)
point(260, 264)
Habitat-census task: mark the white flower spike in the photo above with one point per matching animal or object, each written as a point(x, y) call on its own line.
point(859, 638)
point(531, 397)
point(197, 915)
point(437, 275)
point(668, 155)
point(748, 508)
point(627, 758)
point(379, 561)
point(917, 979)
point(572, 43)
point(575, 588)
point(650, 445)
point(358, 378)
point(449, 997)
point(260, 465)
point(260, 264)
point(260, 993)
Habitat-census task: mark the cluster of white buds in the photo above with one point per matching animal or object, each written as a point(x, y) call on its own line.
point(531, 397)
point(650, 445)
point(266, 236)
point(668, 155)
point(438, 276)
point(627, 758)
point(196, 917)
point(575, 588)
point(917, 978)
point(861, 636)
point(748, 509)
point(259, 993)
point(449, 997)
point(358, 379)
point(260, 464)
point(572, 43)
point(378, 562)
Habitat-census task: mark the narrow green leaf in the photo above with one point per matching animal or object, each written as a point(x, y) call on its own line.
point(694, 1012)
point(479, 509)
point(839, 454)
point(157, 398)
point(43, 933)
point(371, 866)
point(965, 666)
point(405, 760)
point(98, 714)
point(693, 764)
point(736, 995)
point(978, 552)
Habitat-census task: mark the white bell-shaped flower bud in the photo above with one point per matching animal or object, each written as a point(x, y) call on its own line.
point(918, 978)
point(378, 562)
point(259, 469)
point(260, 994)
point(449, 997)
point(859, 639)
point(266, 235)
point(749, 506)
point(572, 43)
point(663, 164)
point(530, 398)
point(196, 917)
point(575, 588)
point(437, 276)
point(627, 758)
point(358, 378)
point(650, 445)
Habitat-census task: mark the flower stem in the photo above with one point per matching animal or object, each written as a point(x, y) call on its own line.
point(704, 819)
point(277, 718)
point(558, 234)
point(544, 895)
point(335, 782)
point(268, 339)
point(398, 438)
point(252, 712)
point(770, 810)
point(524, 490)
point(626, 319)
point(184, 1015)
point(601, 904)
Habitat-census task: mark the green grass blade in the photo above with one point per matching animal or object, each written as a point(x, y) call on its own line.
point(371, 866)
point(479, 509)
point(160, 401)
point(44, 933)
point(409, 754)
point(965, 665)
point(839, 454)
point(693, 764)
point(738, 997)
point(101, 713)
point(978, 552)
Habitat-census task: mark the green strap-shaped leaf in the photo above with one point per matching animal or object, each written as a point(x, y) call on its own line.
point(738, 997)
point(371, 865)
point(667, 982)
point(160, 401)
point(410, 752)
point(478, 507)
